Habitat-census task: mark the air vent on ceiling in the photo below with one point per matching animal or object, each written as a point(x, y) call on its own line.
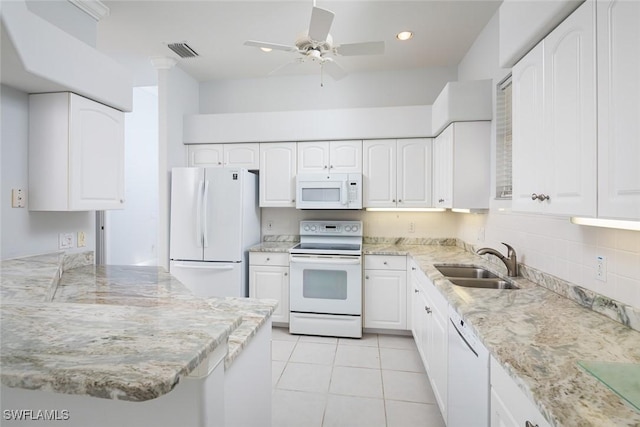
point(183, 50)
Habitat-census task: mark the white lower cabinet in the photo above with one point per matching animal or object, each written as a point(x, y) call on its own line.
point(269, 278)
point(429, 328)
point(385, 292)
point(509, 405)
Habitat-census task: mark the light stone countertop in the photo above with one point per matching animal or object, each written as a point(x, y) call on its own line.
point(273, 247)
point(538, 336)
point(121, 332)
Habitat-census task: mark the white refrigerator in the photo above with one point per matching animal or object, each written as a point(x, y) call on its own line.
point(215, 218)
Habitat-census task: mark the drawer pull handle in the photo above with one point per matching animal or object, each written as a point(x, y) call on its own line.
point(427, 309)
point(530, 424)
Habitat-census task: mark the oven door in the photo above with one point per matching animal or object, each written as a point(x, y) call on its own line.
point(330, 284)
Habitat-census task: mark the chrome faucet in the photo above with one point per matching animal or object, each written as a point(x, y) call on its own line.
point(510, 261)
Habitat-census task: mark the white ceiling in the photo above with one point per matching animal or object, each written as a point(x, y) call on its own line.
point(134, 31)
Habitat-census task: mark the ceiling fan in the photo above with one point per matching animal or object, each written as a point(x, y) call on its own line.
point(316, 44)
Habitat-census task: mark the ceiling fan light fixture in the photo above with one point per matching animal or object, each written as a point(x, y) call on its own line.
point(404, 35)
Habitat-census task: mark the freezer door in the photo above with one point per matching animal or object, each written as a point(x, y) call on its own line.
point(223, 213)
point(210, 279)
point(187, 186)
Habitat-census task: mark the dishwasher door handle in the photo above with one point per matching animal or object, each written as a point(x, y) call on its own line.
point(463, 338)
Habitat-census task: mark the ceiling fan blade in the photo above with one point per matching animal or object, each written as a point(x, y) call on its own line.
point(267, 45)
point(286, 66)
point(366, 48)
point(334, 70)
point(321, 20)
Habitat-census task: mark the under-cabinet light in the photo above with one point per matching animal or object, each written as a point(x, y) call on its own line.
point(266, 49)
point(405, 209)
point(607, 223)
point(474, 211)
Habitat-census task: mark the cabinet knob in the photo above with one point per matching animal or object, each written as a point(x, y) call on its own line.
point(534, 196)
point(399, 201)
point(325, 166)
point(366, 277)
point(413, 268)
point(286, 274)
point(268, 259)
point(440, 200)
point(416, 291)
point(385, 263)
point(543, 197)
point(121, 200)
point(219, 163)
point(427, 309)
point(331, 167)
point(530, 424)
point(293, 201)
point(393, 200)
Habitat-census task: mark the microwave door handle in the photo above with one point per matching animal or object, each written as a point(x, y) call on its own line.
point(343, 196)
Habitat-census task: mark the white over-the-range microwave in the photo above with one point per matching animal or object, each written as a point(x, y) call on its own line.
point(329, 191)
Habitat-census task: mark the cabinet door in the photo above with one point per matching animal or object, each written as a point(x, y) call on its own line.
point(618, 109)
point(379, 173)
point(443, 168)
point(313, 157)
point(385, 299)
point(206, 155)
point(273, 283)
point(570, 115)
point(96, 151)
point(242, 156)
point(414, 166)
point(500, 414)
point(528, 146)
point(277, 174)
point(345, 156)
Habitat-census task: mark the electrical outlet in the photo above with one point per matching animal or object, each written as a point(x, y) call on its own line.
point(17, 198)
point(269, 225)
point(65, 240)
point(601, 268)
point(412, 227)
point(82, 241)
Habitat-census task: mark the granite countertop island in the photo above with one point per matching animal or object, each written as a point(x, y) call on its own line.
point(115, 332)
point(539, 336)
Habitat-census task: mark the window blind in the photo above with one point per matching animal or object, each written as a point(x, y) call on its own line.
point(503, 140)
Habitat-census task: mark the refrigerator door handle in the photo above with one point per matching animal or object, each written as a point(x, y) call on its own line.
point(199, 215)
point(205, 220)
point(204, 267)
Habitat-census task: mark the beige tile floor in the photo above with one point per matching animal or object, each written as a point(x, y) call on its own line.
point(376, 381)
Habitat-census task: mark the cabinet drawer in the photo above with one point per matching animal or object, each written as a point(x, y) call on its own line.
point(385, 262)
point(269, 258)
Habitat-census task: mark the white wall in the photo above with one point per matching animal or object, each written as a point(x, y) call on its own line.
point(178, 94)
point(287, 93)
point(550, 244)
point(285, 221)
point(132, 233)
point(23, 232)
point(66, 16)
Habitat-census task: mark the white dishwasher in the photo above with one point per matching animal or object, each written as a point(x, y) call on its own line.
point(468, 376)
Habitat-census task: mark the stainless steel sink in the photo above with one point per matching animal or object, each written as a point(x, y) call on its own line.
point(493, 283)
point(466, 271)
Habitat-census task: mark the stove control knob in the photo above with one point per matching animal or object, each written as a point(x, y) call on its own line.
point(306, 228)
point(347, 228)
point(354, 228)
point(313, 228)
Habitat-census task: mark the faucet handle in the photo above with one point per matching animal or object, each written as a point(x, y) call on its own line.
point(510, 249)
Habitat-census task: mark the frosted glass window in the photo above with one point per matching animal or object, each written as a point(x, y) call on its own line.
point(324, 284)
point(321, 194)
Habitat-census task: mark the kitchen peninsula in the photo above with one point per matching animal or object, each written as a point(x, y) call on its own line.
point(130, 343)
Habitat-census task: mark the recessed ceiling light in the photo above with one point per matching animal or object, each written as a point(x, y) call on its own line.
point(404, 35)
point(266, 49)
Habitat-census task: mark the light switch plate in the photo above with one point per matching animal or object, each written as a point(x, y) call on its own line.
point(18, 198)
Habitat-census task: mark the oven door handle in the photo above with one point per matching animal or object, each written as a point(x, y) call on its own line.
point(334, 261)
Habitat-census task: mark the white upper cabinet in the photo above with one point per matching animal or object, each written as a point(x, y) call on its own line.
point(618, 32)
point(225, 155)
point(278, 174)
point(462, 101)
point(76, 154)
point(330, 156)
point(461, 166)
point(397, 173)
point(562, 153)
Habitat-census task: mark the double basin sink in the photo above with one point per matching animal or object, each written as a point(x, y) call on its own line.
point(473, 277)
